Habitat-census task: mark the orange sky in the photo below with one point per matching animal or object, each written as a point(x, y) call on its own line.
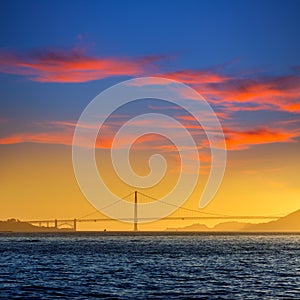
point(37, 179)
point(38, 182)
point(243, 58)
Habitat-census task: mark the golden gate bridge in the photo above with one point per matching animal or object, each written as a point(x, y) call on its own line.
point(191, 214)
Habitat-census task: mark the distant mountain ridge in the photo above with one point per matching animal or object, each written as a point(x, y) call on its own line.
point(289, 223)
point(193, 227)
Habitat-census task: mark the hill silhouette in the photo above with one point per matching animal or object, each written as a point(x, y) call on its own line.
point(13, 225)
point(289, 223)
point(230, 226)
point(193, 227)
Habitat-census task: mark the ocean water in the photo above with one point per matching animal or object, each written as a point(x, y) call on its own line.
point(149, 266)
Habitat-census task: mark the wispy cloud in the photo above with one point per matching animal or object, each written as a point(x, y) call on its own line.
point(255, 93)
point(61, 132)
point(232, 92)
point(240, 140)
point(53, 137)
point(246, 92)
point(229, 94)
point(197, 77)
point(73, 65)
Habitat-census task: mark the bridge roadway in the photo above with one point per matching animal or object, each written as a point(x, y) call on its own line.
point(73, 222)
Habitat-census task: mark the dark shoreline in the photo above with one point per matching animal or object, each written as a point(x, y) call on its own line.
point(151, 233)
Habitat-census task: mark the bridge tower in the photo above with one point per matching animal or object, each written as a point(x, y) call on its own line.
point(75, 224)
point(135, 217)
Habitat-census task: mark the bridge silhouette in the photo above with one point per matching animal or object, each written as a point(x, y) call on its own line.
point(193, 215)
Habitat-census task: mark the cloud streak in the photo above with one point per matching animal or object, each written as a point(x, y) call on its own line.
point(72, 66)
point(239, 93)
point(228, 94)
point(249, 92)
point(241, 140)
point(274, 93)
point(61, 132)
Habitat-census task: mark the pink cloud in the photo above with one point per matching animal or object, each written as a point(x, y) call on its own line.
point(62, 138)
point(72, 66)
point(240, 140)
point(266, 92)
point(61, 132)
point(229, 93)
point(235, 93)
point(197, 77)
point(281, 93)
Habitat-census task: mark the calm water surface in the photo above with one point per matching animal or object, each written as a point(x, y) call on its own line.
point(149, 266)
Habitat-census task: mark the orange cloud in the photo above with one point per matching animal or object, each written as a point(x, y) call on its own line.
point(255, 93)
point(61, 132)
point(72, 66)
point(234, 93)
point(197, 77)
point(228, 93)
point(281, 93)
point(186, 76)
point(277, 91)
point(63, 138)
point(240, 140)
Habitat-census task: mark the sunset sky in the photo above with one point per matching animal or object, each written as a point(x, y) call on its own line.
point(241, 56)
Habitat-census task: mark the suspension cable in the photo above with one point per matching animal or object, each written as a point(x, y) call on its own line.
point(106, 206)
point(184, 208)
